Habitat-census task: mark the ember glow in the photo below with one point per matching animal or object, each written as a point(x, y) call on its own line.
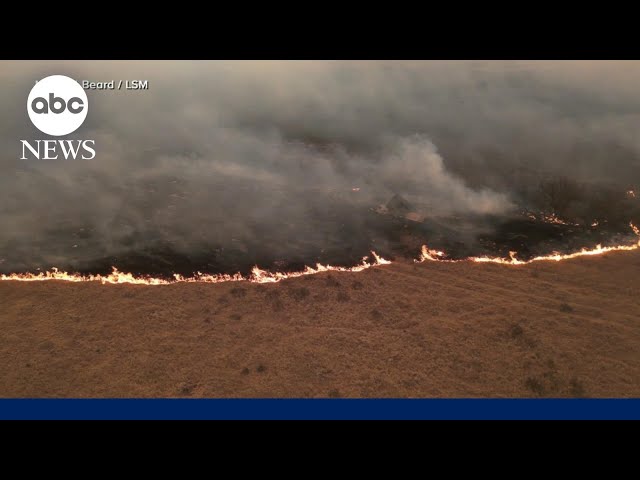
point(631, 194)
point(549, 218)
point(257, 275)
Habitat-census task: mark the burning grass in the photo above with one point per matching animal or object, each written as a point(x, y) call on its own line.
point(428, 254)
point(258, 275)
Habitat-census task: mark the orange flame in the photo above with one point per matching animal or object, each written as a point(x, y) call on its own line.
point(257, 275)
point(434, 255)
point(263, 276)
point(631, 194)
point(429, 254)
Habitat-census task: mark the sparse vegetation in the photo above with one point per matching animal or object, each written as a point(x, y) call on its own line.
point(334, 393)
point(557, 194)
point(583, 203)
point(261, 368)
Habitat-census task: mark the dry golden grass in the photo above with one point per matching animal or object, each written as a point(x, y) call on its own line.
point(430, 330)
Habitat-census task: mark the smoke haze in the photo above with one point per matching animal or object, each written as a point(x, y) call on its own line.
point(277, 161)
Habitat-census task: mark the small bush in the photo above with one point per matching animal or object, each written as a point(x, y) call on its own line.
point(566, 308)
point(187, 389)
point(534, 385)
point(576, 388)
point(516, 331)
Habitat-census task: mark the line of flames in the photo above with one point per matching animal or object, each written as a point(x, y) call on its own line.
point(257, 275)
point(263, 276)
point(432, 255)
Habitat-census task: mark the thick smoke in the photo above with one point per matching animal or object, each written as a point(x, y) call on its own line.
point(279, 160)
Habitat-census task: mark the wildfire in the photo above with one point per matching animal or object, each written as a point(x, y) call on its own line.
point(631, 194)
point(263, 276)
point(257, 275)
point(428, 254)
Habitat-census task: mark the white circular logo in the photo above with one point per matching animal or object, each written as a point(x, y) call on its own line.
point(57, 105)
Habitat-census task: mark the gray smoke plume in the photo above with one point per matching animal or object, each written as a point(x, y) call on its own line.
point(286, 156)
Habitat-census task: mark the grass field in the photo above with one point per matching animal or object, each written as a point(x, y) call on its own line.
point(550, 329)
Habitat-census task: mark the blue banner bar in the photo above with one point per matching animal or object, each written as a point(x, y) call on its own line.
point(338, 409)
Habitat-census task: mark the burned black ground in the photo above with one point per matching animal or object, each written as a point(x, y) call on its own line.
point(279, 247)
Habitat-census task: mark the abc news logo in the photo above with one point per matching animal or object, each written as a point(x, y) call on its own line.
point(57, 106)
point(40, 105)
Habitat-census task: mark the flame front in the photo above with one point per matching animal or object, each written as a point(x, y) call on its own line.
point(263, 276)
point(428, 254)
point(257, 275)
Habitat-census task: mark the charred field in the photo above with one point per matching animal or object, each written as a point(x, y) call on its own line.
point(334, 228)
